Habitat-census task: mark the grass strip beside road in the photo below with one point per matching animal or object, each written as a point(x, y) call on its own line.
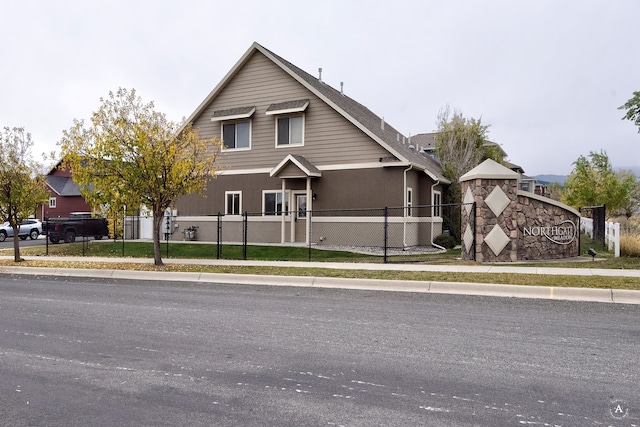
point(632, 283)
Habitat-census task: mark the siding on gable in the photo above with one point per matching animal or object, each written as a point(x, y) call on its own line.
point(291, 171)
point(329, 138)
point(64, 206)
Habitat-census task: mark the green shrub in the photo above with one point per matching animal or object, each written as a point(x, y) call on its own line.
point(445, 240)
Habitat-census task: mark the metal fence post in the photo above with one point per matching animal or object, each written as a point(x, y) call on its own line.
point(386, 232)
point(245, 220)
point(124, 229)
point(219, 237)
point(45, 220)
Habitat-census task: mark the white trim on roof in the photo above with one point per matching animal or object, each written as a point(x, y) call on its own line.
point(336, 167)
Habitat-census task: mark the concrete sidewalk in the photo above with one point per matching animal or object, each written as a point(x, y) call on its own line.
point(458, 288)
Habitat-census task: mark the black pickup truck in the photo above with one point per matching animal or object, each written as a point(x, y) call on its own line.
point(78, 224)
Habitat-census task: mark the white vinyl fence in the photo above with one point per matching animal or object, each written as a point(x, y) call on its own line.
point(611, 233)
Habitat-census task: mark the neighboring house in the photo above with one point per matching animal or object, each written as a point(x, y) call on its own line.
point(64, 195)
point(294, 144)
point(528, 183)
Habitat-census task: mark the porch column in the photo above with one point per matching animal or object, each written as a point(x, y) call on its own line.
point(283, 216)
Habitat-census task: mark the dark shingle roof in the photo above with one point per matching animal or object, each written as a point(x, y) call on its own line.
point(369, 120)
point(233, 111)
point(287, 105)
point(63, 185)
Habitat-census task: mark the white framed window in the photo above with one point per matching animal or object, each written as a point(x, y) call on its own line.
point(409, 200)
point(233, 202)
point(436, 209)
point(52, 202)
point(236, 135)
point(289, 131)
point(275, 203)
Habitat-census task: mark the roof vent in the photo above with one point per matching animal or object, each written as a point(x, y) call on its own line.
point(398, 137)
point(382, 123)
point(342, 88)
point(411, 147)
point(320, 74)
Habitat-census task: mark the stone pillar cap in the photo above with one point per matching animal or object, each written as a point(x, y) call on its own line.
point(489, 169)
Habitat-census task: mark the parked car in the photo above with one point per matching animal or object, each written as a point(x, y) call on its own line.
point(28, 228)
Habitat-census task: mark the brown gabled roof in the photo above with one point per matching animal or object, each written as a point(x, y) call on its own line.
point(363, 118)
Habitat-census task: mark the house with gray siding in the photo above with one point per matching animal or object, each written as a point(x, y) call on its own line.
point(294, 145)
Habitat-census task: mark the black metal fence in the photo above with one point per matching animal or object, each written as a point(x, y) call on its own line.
point(389, 234)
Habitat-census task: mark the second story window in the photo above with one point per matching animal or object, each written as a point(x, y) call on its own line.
point(236, 135)
point(235, 127)
point(290, 117)
point(289, 131)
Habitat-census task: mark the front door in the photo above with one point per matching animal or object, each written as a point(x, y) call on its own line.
point(301, 218)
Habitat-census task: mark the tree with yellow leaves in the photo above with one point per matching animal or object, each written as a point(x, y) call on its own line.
point(22, 187)
point(132, 156)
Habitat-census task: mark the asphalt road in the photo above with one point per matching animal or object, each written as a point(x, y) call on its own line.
point(76, 352)
point(8, 243)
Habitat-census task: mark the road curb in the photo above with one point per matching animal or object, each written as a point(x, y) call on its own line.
point(621, 296)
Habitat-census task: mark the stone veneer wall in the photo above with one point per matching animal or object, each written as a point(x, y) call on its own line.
point(513, 225)
point(533, 224)
point(499, 228)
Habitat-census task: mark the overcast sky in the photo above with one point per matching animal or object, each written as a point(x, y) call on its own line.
point(546, 75)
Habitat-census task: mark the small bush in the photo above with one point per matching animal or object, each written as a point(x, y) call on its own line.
point(445, 240)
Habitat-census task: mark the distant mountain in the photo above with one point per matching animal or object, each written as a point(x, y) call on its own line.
point(548, 179)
